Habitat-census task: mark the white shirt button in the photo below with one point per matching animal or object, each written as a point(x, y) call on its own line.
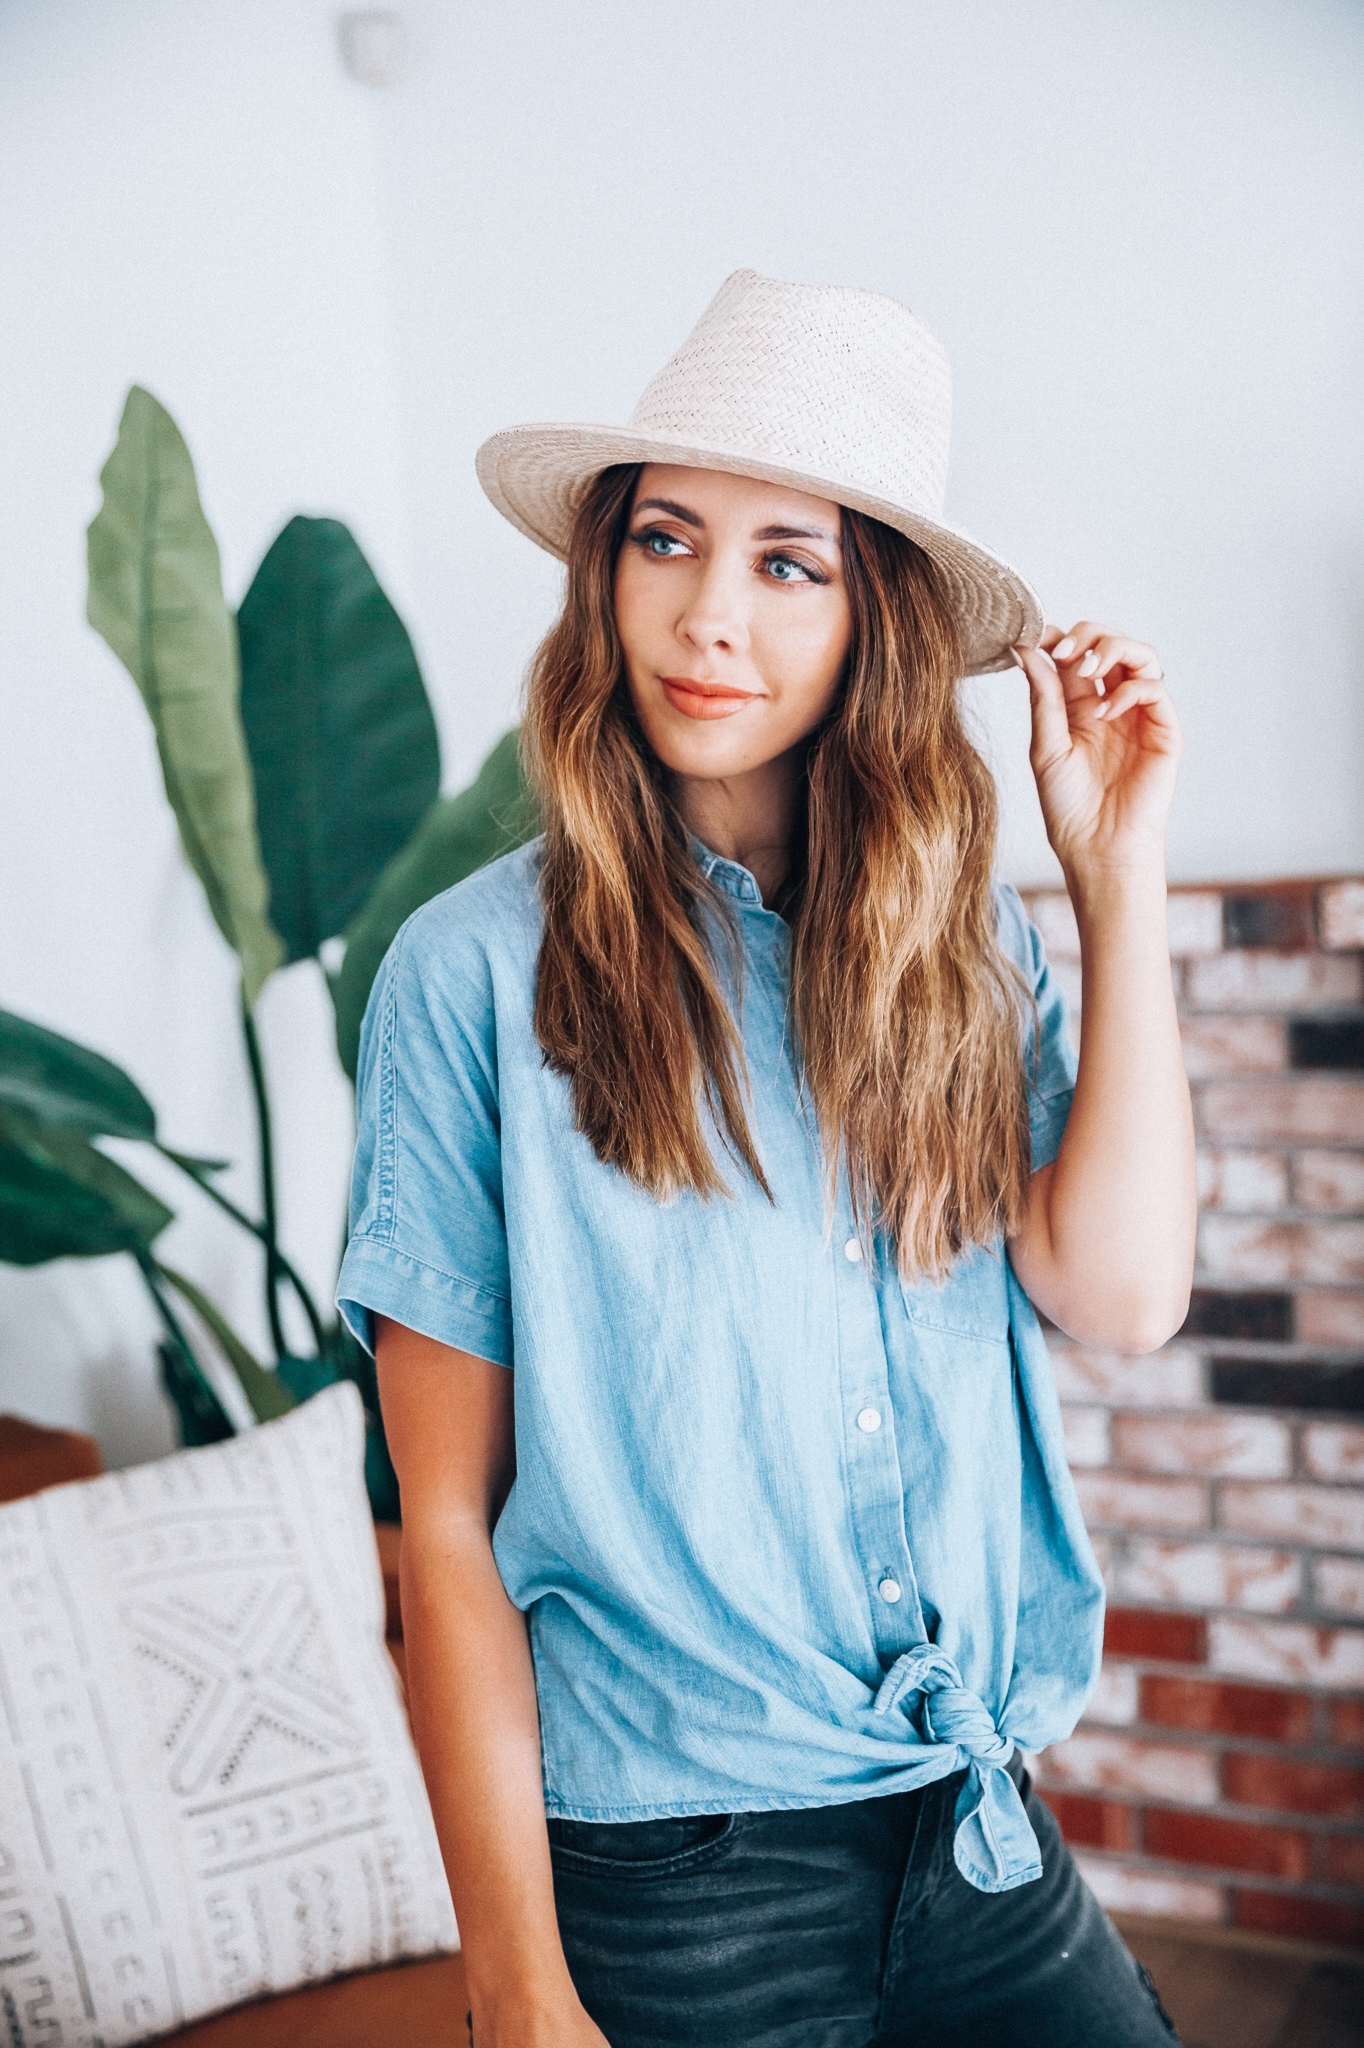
point(869, 1420)
point(852, 1252)
point(889, 1590)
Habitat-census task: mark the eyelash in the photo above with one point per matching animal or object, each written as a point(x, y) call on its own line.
point(807, 569)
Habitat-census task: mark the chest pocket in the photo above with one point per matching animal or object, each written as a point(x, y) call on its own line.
point(973, 1301)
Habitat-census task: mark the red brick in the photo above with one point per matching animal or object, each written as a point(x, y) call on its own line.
point(1251, 1183)
point(1317, 1108)
point(1120, 1889)
point(1114, 1699)
point(1289, 1652)
point(1305, 1918)
point(1249, 980)
point(1086, 1435)
point(1325, 1515)
point(1338, 1586)
point(1193, 919)
point(1054, 915)
point(1347, 1724)
point(1340, 915)
point(1171, 1378)
point(1110, 1501)
point(1166, 1638)
point(1334, 1451)
point(1237, 1248)
point(1227, 1844)
point(1330, 1318)
point(1288, 1786)
point(1219, 1445)
point(1234, 1045)
point(1216, 1708)
point(1329, 1180)
point(1208, 1575)
point(1345, 1859)
point(1093, 1761)
point(1097, 1823)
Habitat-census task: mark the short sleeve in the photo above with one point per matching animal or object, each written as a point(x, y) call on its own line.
point(1050, 1056)
point(428, 1240)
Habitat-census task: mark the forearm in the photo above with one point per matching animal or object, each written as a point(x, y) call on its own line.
point(472, 1694)
point(1108, 1251)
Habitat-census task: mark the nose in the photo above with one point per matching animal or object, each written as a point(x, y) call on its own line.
point(714, 619)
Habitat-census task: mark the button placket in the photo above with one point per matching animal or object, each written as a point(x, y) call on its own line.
point(875, 1480)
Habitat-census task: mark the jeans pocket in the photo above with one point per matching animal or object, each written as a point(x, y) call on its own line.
point(670, 1847)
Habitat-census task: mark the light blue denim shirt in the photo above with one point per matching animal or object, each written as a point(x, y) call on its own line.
point(789, 1531)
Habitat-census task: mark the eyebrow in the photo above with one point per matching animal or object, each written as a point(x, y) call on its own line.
point(690, 518)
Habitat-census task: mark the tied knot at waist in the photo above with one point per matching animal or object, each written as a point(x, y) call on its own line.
point(994, 1845)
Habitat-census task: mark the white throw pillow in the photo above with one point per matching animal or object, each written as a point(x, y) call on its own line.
point(208, 1791)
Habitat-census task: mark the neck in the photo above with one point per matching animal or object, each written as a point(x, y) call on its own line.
point(747, 818)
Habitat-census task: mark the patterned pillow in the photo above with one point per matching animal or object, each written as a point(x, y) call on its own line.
point(208, 1791)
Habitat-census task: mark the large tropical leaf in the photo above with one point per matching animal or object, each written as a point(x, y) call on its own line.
point(338, 727)
point(61, 1198)
point(156, 595)
point(269, 1394)
point(59, 1082)
point(495, 813)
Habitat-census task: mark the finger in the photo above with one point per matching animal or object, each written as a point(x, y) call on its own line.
point(1074, 645)
point(1050, 636)
point(1050, 720)
point(1114, 651)
point(1150, 694)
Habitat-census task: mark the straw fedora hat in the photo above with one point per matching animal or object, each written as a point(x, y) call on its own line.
point(842, 393)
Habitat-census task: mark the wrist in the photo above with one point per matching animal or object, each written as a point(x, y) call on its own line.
point(1105, 888)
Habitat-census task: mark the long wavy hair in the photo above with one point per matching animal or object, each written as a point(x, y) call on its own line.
point(908, 1018)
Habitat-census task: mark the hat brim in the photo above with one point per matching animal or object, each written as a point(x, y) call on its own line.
point(535, 476)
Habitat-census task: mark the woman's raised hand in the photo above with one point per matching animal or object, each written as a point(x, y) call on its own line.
point(1105, 747)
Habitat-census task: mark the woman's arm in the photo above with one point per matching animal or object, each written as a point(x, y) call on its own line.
point(471, 1687)
point(1107, 1248)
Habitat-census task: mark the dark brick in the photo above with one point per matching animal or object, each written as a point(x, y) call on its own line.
point(1215, 1707)
point(1255, 1317)
point(1305, 1383)
point(1335, 1042)
point(1187, 1837)
point(1093, 1823)
point(1305, 1918)
point(1331, 1790)
point(1165, 1638)
point(1279, 918)
point(1347, 1724)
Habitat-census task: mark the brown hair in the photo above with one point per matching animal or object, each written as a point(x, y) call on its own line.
point(908, 1017)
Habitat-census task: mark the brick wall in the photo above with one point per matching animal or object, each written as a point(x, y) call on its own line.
point(1219, 1772)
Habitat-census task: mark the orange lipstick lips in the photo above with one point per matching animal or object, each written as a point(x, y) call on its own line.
point(703, 700)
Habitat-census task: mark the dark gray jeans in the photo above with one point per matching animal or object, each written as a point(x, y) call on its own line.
point(839, 1927)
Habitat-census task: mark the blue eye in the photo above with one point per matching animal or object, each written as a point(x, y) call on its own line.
point(662, 546)
point(782, 569)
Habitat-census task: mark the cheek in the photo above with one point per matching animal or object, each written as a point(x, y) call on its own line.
point(807, 651)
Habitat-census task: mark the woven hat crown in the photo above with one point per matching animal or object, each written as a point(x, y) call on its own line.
point(831, 380)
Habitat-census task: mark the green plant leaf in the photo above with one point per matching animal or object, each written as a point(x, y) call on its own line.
point(62, 1198)
point(156, 595)
point(338, 727)
point(59, 1082)
point(266, 1391)
point(458, 834)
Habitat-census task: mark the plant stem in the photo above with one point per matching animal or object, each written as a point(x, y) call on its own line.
point(270, 1225)
point(258, 1230)
point(146, 1265)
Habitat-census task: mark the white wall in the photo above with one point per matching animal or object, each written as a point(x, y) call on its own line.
point(1138, 229)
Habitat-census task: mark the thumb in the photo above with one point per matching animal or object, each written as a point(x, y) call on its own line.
point(1050, 720)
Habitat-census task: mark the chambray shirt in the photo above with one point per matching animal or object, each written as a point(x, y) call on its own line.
point(788, 1530)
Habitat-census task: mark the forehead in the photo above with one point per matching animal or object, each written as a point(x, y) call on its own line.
point(716, 495)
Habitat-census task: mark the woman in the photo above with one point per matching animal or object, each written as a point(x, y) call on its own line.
point(711, 1113)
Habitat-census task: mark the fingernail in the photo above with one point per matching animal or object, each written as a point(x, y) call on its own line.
point(1063, 649)
point(1100, 686)
point(1089, 664)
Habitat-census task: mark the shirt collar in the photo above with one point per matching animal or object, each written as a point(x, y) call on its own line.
point(736, 881)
